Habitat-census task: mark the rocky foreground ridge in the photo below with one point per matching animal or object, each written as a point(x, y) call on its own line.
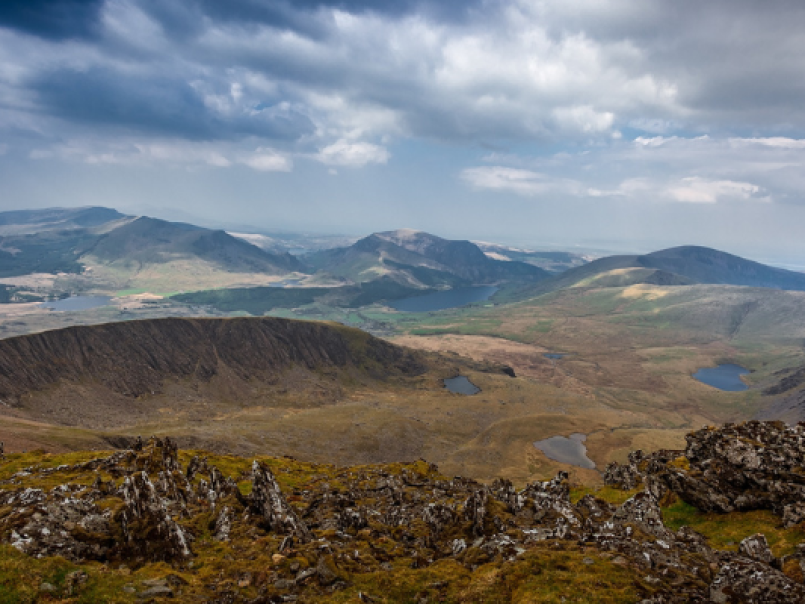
point(152, 522)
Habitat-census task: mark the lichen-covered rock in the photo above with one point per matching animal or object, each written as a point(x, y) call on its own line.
point(268, 501)
point(59, 523)
point(550, 501)
point(738, 467)
point(139, 506)
point(475, 509)
point(643, 512)
point(149, 530)
point(223, 525)
point(744, 581)
point(793, 513)
point(757, 548)
point(625, 476)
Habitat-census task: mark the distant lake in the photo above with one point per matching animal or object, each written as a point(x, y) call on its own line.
point(77, 303)
point(554, 355)
point(461, 385)
point(451, 298)
point(566, 450)
point(724, 377)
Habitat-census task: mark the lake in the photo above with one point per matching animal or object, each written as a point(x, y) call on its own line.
point(451, 298)
point(461, 385)
point(567, 450)
point(724, 377)
point(554, 355)
point(77, 303)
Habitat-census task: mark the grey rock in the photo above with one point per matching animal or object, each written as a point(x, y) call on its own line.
point(757, 548)
point(268, 501)
point(158, 591)
point(751, 582)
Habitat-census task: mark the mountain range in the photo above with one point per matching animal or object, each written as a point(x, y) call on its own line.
point(684, 265)
point(100, 250)
point(108, 251)
point(419, 259)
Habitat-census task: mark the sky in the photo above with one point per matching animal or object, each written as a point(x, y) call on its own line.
point(622, 125)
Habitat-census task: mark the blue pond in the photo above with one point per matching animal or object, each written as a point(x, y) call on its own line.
point(724, 377)
point(566, 450)
point(554, 355)
point(77, 303)
point(450, 298)
point(461, 385)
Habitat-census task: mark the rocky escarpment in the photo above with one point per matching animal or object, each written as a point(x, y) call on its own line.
point(749, 466)
point(338, 531)
point(135, 358)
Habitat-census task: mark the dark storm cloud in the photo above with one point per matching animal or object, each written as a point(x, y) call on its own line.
point(292, 12)
point(54, 19)
point(165, 106)
point(480, 72)
point(737, 62)
point(318, 72)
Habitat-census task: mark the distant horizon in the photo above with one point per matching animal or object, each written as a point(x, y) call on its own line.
point(597, 249)
point(618, 125)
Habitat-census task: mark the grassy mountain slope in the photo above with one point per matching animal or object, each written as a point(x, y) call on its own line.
point(135, 358)
point(18, 222)
point(152, 241)
point(259, 300)
point(125, 252)
point(373, 257)
point(48, 251)
point(553, 262)
point(624, 277)
point(705, 265)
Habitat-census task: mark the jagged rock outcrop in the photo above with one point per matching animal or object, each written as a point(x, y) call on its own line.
point(267, 500)
point(749, 466)
point(144, 505)
point(147, 525)
point(625, 476)
point(742, 580)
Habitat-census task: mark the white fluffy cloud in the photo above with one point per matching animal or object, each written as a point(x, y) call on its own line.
point(516, 180)
point(176, 153)
point(353, 154)
point(268, 160)
point(701, 190)
point(660, 169)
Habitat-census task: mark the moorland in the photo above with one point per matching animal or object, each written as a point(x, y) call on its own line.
point(631, 331)
point(319, 438)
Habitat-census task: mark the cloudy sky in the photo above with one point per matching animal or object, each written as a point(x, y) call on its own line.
point(619, 124)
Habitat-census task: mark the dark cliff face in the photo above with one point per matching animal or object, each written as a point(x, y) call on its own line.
point(135, 358)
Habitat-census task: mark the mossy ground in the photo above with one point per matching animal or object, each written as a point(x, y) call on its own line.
point(554, 571)
point(726, 531)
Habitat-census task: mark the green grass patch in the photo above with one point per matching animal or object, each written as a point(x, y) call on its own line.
point(609, 494)
point(726, 531)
